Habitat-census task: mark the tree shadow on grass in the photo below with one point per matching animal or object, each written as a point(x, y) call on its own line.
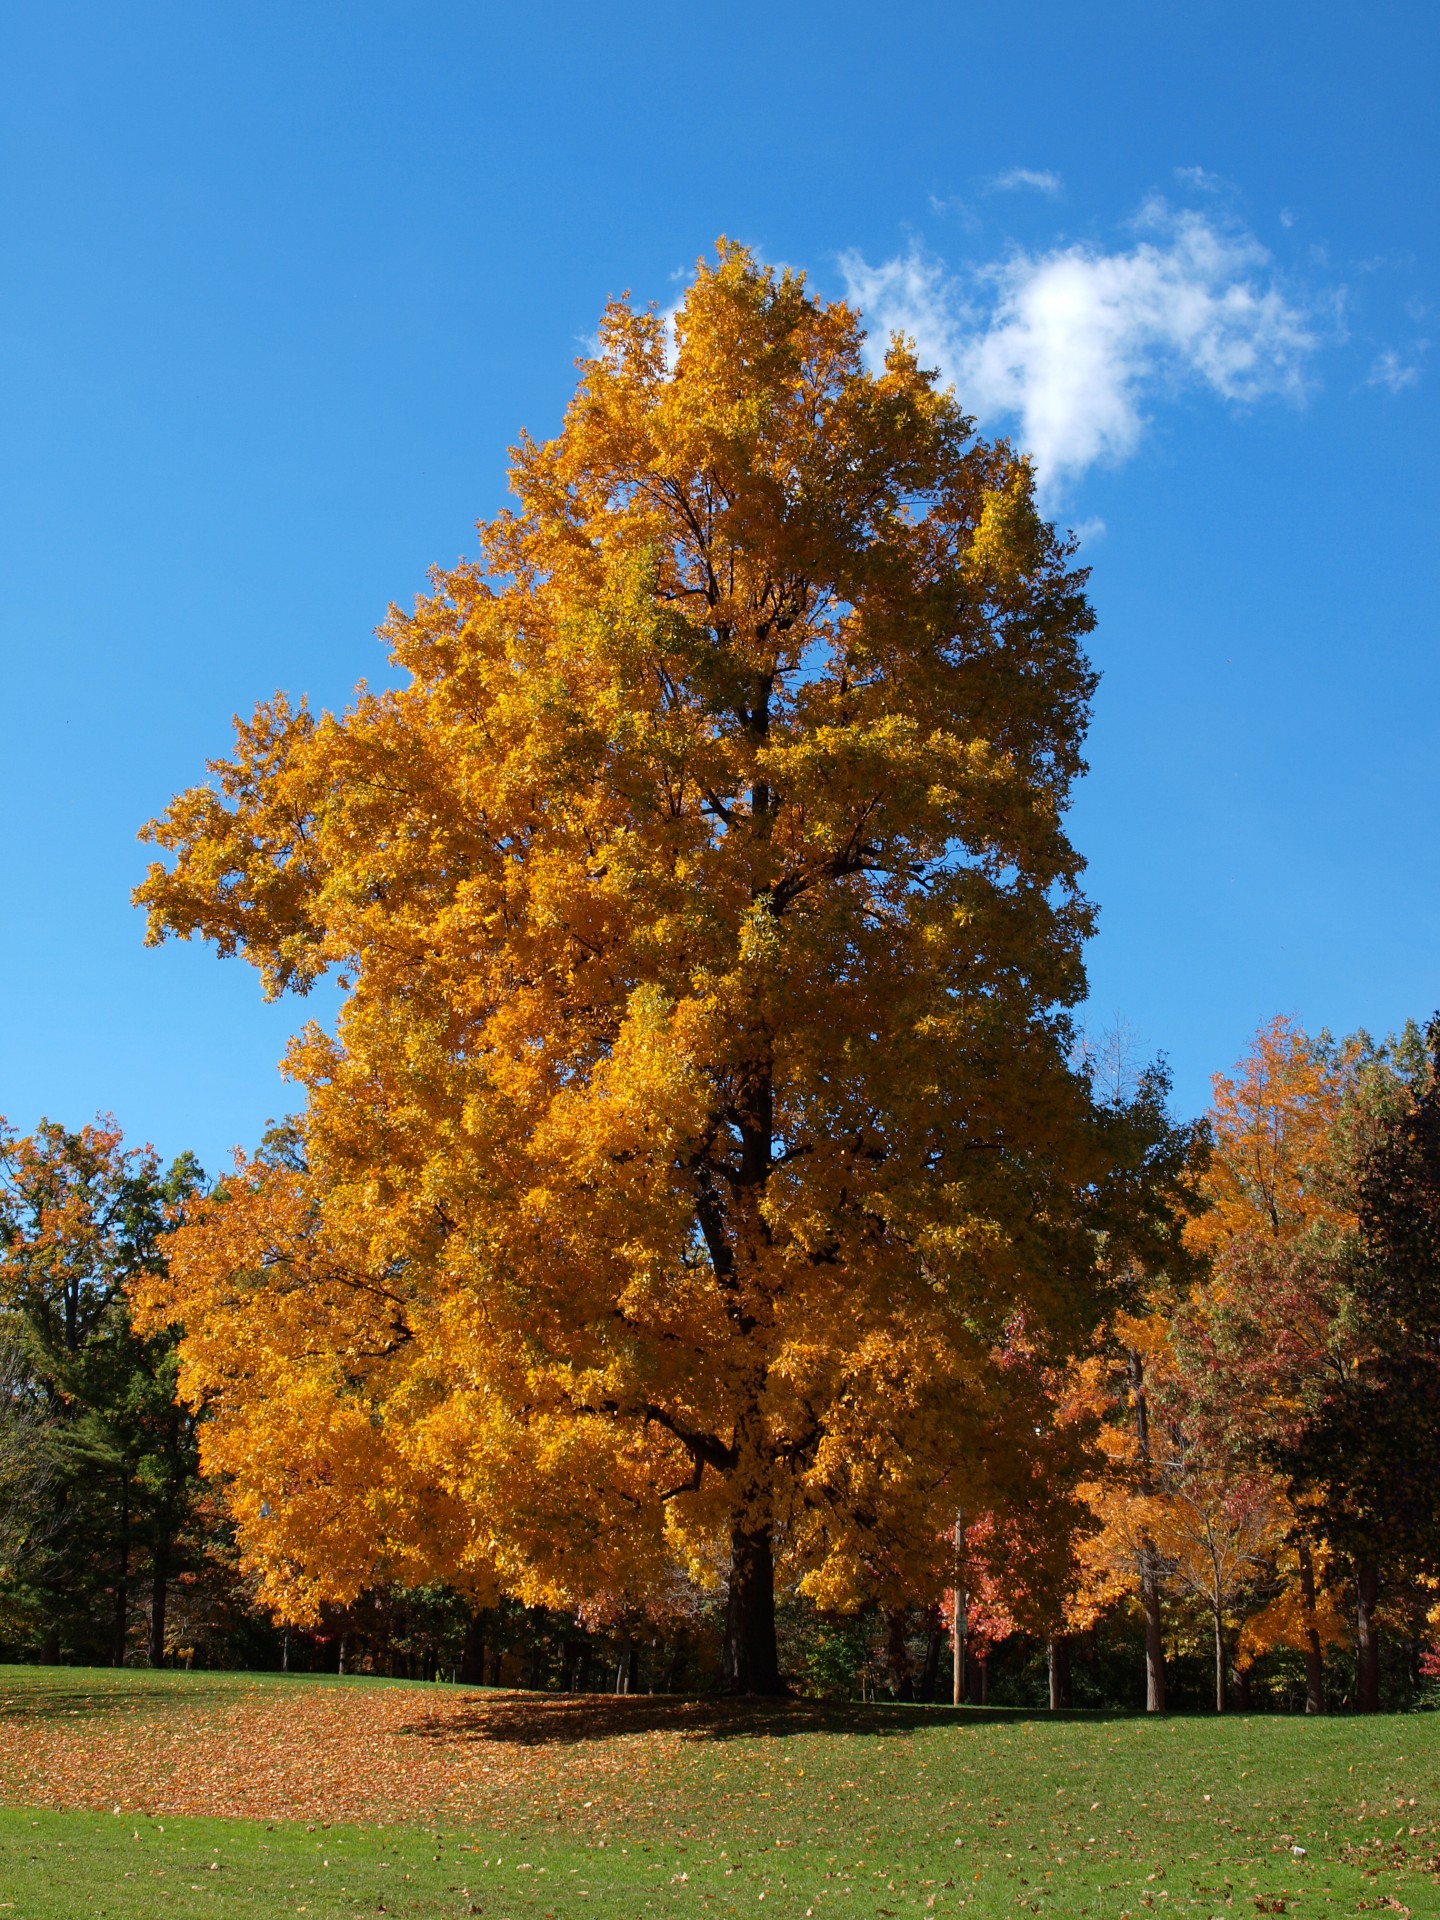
point(73, 1702)
point(542, 1720)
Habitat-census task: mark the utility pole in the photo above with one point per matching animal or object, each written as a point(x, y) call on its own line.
point(961, 1611)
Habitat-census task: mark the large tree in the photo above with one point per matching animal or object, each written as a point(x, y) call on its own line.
point(701, 1126)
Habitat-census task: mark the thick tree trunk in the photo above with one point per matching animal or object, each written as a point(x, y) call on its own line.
point(1367, 1584)
point(159, 1596)
point(1314, 1653)
point(472, 1652)
point(751, 1658)
point(1057, 1661)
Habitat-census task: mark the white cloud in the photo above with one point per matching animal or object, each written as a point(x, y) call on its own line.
point(1070, 343)
point(1391, 372)
point(1087, 531)
point(1038, 180)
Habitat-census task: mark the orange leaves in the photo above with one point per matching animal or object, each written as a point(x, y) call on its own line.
point(1273, 1122)
point(700, 1119)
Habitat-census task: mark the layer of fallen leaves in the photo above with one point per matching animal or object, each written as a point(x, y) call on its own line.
point(270, 1752)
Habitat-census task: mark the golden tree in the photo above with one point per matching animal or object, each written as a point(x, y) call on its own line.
point(701, 1119)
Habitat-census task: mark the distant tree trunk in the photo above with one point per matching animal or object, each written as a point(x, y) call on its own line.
point(1149, 1557)
point(959, 1615)
point(535, 1660)
point(675, 1666)
point(625, 1665)
point(751, 1658)
point(159, 1596)
point(1314, 1653)
point(1218, 1622)
point(1057, 1661)
point(122, 1578)
point(902, 1682)
point(1154, 1628)
point(1367, 1584)
point(472, 1652)
point(340, 1654)
point(983, 1681)
point(497, 1667)
point(930, 1672)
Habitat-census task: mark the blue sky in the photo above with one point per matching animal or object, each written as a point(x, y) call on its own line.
point(283, 281)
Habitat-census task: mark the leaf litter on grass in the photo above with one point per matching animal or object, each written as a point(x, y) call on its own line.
point(987, 1812)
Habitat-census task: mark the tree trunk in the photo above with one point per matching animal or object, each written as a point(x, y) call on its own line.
point(625, 1666)
point(1154, 1633)
point(1219, 1625)
point(1057, 1661)
point(472, 1652)
point(983, 1689)
point(675, 1666)
point(159, 1595)
point(122, 1581)
point(1314, 1653)
point(930, 1672)
point(959, 1615)
point(751, 1658)
point(1367, 1583)
point(1149, 1557)
point(902, 1681)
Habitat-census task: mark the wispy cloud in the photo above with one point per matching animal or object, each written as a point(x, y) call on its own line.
point(1021, 179)
point(1071, 343)
point(1393, 372)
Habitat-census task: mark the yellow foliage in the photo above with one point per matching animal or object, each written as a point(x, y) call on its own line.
point(700, 1124)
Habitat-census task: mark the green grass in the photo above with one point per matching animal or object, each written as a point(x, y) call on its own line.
point(836, 1812)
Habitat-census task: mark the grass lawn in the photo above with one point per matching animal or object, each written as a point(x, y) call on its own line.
point(130, 1794)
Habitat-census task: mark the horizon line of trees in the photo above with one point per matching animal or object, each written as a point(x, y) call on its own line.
point(1244, 1467)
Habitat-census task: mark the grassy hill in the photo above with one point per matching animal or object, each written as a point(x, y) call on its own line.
point(131, 1794)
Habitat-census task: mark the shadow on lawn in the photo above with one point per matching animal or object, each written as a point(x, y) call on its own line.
point(540, 1720)
point(90, 1703)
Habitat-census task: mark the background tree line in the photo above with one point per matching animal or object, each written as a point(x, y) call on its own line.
point(1244, 1458)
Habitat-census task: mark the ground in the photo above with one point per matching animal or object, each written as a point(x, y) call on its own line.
point(130, 1795)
